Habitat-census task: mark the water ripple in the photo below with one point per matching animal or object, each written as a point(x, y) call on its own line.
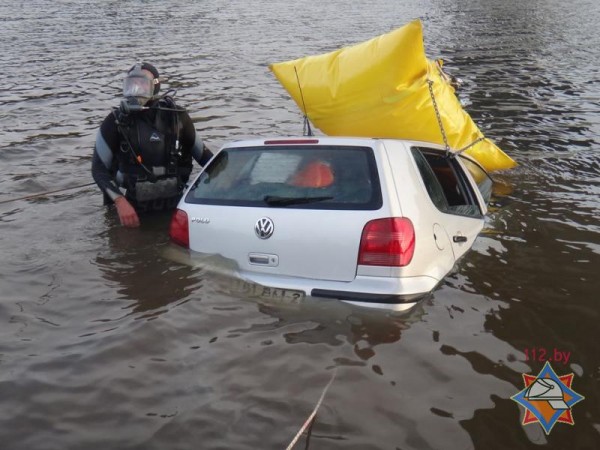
point(107, 343)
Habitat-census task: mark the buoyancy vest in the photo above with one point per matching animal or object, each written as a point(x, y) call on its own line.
point(149, 154)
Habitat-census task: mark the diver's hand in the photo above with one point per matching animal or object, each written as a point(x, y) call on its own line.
point(127, 214)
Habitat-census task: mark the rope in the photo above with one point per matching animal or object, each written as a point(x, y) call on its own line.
point(41, 194)
point(306, 121)
point(311, 418)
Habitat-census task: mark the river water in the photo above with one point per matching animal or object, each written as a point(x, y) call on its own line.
point(108, 343)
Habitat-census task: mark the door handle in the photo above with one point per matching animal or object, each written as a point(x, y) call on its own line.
point(459, 238)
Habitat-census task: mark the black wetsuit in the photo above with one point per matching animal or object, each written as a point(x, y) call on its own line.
point(149, 153)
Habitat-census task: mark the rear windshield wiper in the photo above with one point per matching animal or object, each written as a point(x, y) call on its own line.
point(274, 200)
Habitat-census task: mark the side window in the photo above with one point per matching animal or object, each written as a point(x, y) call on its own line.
point(482, 179)
point(446, 183)
point(433, 186)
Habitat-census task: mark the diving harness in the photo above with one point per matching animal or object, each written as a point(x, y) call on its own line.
point(156, 181)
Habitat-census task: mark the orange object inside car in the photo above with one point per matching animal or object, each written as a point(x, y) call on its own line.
point(316, 174)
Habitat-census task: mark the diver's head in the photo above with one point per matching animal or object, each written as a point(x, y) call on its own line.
point(141, 83)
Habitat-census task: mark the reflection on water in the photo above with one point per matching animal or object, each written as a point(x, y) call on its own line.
point(132, 262)
point(108, 342)
point(336, 322)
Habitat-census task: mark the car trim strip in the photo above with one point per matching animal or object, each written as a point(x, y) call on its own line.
point(367, 297)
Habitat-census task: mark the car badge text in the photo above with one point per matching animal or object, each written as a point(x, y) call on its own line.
point(264, 228)
point(200, 220)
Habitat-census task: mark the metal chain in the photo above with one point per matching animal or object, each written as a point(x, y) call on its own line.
point(476, 141)
point(439, 118)
point(441, 125)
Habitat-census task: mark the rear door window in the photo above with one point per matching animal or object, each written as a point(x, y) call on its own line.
point(446, 183)
point(483, 180)
point(309, 177)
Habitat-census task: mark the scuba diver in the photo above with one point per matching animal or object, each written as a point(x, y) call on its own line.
point(145, 146)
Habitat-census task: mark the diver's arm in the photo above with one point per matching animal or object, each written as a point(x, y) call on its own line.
point(103, 178)
point(104, 161)
point(127, 214)
point(191, 143)
point(103, 164)
point(206, 155)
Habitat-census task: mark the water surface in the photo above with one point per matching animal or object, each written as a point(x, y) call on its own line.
point(106, 342)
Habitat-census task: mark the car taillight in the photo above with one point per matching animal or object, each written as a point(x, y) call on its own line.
point(179, 229)
point(387, 242)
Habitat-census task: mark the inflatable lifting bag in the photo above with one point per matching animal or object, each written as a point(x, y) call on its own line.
point(380, 88)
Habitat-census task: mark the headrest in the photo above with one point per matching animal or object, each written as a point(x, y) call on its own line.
point(316, 174)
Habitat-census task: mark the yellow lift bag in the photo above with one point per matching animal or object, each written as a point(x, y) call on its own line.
point(383, 88)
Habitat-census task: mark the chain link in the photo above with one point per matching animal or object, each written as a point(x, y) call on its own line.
point(441, 125)
point(476, 141)
point(439, 118)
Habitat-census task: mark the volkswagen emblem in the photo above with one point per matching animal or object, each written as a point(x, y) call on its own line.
point(264, 228)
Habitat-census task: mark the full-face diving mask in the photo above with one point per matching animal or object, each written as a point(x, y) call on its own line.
point(139, 84)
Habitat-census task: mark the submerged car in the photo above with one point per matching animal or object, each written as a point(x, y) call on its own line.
point(374, 222)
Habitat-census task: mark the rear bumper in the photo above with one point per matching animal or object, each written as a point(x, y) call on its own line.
point(392, 293)
point(376, 292)
point(366, 297)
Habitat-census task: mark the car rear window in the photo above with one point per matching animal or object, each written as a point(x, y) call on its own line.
point(308, 177)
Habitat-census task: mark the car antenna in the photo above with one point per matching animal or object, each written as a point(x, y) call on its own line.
point(306, 121)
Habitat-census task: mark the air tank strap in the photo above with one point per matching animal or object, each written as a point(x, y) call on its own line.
point(127, 147)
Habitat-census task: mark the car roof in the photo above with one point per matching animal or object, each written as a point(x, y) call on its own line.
point(326, 140)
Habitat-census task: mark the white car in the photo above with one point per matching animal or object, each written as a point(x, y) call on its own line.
point(374, 222)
